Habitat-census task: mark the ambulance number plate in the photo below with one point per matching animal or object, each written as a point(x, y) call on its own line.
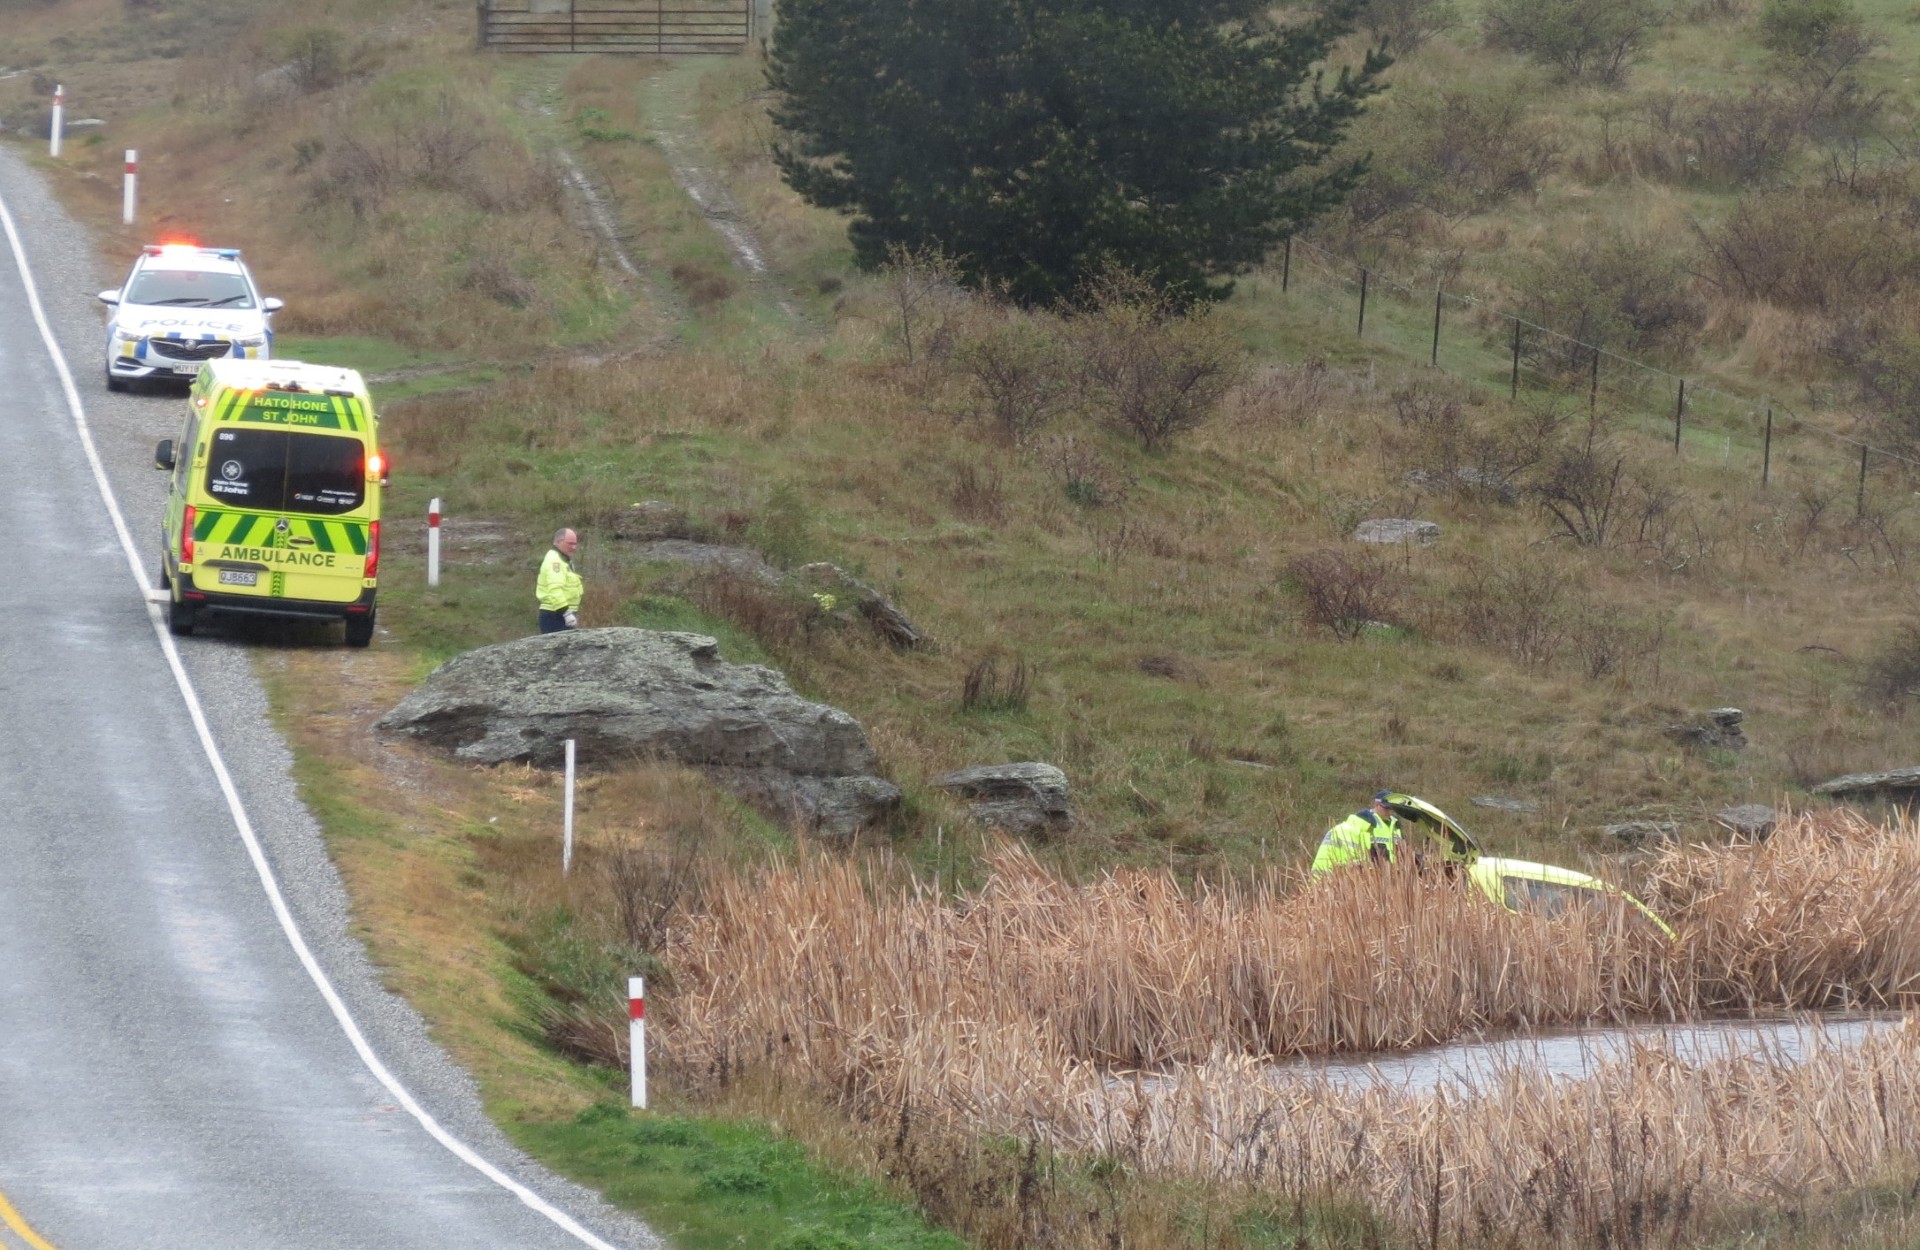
point(239, 577)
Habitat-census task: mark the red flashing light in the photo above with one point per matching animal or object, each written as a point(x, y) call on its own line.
point(373, 550)
point(186, 536)
point(377, 466)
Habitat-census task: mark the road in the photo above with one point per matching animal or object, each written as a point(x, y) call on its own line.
point(172, 1073)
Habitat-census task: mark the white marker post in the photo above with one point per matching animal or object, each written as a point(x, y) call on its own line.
point(637, 1037)
point(433, 542)
point(59, 120)
point(566, 851)
point(127, 195)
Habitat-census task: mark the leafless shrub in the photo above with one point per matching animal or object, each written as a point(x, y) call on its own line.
point(1291, 395)
point(1084, 475)
point(1621, 292)
point(1583, 40)
point(1149, 367)
point(1890, 678)
point(978, 494)
point(1580, 484)
point(1341, 594)
point(925, 295)
point(490, 272)
point(1808, 251)
point(1827, 37)
point(705, 286)
point(986, 689)
point(1454, 152)
point(654, 881)
point(1882, 357)
point(1515, 606)
point(1406, 24)
point(1017, 369)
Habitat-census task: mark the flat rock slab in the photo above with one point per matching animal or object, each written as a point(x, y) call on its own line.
point(622, 695)
point(1753, 821)
point(1397, 530)
point(1522, 807)
point(1637, 831)
point(1026, 799)
point(1897, 783)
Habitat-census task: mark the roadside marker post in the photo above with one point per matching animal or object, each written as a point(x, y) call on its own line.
point(637, 1037)
point(127, 195)
point(59, 120)
point(566, 849)
point(433, 542)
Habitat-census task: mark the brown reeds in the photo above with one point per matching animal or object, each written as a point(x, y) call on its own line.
point(1018, 1008)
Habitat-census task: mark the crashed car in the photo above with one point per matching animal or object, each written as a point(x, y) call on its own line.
point(183, 305)
point(1517, 885)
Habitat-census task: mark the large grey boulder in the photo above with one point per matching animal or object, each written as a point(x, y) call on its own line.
point(626, 694)
point(1719, 728)
point(1027, 799)
point(636, 694)
point(1898, 785)
point(1750, 822)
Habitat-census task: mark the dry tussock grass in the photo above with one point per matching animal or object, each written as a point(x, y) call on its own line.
point(1003, 1009)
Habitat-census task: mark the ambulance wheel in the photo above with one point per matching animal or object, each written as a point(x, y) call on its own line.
point(359, 630)
point(180, 619)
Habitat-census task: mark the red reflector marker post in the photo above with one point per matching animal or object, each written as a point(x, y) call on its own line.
point(433, 541)
point(637, 1036)
point(59, 120)
point(127, 195)
point(566, 819)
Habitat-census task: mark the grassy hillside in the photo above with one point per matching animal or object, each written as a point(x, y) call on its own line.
point(1219, 670)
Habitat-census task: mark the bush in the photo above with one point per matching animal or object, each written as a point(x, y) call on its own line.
point(1808, 251)
point(1340, 594)
point(1827, 34)
point(1515, 606)
point(1403, 25)
point(1455, 152)
point(1017, 370)
point(1890, 680)
point(1149, 368)
point(1583, 40)
point(1620, 292)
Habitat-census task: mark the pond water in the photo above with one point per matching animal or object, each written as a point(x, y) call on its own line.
point(1465, 1067)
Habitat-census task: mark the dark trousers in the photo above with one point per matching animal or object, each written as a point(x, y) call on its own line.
point(552, 622)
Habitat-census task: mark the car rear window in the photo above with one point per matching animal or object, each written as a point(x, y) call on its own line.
point(188, 288)
point(272, 470)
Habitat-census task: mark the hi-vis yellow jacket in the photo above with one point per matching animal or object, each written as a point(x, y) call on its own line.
point(559, 587)
point(1356, 839)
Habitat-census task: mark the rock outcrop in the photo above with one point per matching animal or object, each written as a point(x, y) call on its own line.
point(1719, 728)
point(636, 694)
point(1750, 822)
point(1898, 785)
point(1027, 799)
point(1397, 530)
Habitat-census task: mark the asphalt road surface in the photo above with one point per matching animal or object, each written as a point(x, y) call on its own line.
point(172, 1073)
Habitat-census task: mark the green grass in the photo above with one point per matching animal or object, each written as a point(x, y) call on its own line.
point(708, 1184)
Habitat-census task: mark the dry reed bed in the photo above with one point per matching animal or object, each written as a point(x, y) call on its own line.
point(1007, 1009)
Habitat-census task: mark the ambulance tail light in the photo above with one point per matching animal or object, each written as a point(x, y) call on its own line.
point(186, 536)
point(373, 550)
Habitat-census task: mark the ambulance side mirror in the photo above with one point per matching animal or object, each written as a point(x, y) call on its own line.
point(163, 454)
point(272, 304)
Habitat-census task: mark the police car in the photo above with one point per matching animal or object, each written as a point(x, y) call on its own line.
point(180, 306)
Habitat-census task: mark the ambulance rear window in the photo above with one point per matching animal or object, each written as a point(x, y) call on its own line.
point(286, 471)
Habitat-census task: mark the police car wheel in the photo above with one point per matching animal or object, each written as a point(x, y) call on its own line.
point(115, 384)
point(359, 630)
point(180, 619)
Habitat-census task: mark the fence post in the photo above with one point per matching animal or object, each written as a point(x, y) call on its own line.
point(128, 195)
point(1860, 498)
point(433, 541)
point(1434, 360)
point(1362, 327)
point(1593, 384)
point(1286, 265)
point(1679, 406)
point(637, 1037)
point(1514, 393)
point(1766, 451)
point(566, 847)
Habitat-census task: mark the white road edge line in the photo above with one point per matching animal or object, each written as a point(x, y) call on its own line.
point(460, 1149)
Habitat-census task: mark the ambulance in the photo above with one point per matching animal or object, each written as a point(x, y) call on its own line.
point(274, 508)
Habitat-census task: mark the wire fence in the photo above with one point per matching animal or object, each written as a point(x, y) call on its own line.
point(1506, 353)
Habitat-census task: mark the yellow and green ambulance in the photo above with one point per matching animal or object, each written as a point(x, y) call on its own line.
point(275, 502)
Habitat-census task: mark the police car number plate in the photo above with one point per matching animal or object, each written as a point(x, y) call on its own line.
point(239, 577)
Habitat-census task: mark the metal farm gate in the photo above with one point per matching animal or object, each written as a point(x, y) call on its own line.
point(656, 27)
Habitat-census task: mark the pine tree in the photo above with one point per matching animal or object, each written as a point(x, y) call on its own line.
point(1040, 142)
